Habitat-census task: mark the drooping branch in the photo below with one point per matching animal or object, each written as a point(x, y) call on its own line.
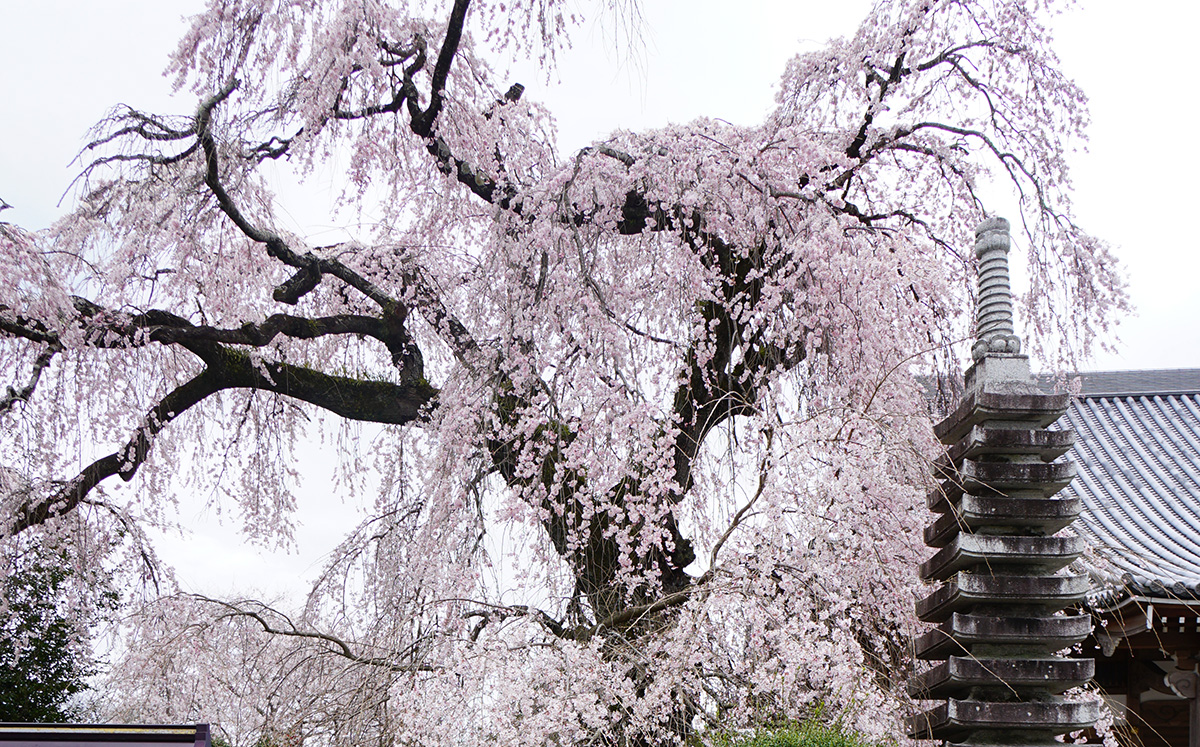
point(259, 612)
point(719, 385)
point(485, 613)
point(106, 329)
point(868, 144)
point(228, 368)
point(352, 398)
point(40, 364)
point(124, 462)
point(212, 172)
point(1020, 173)
point(406, 356)
point(744, 511)
point(424, 298)
point(423, 125)
point(26, 328)
point(142, 125)
point(135, 533)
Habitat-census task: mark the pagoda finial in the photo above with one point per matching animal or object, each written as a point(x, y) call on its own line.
point(994, 315)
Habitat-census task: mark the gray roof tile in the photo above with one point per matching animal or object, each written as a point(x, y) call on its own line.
point(1138, 455)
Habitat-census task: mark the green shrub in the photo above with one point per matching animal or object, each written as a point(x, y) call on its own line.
point(815, 732)
point(44, 656)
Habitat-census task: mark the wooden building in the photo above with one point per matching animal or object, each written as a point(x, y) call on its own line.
point(104, 735)
point(1138, 460)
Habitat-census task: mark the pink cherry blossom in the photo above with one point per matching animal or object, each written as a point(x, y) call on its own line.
point(668, 378)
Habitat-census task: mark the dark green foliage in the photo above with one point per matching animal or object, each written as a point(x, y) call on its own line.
point(814, 732)
point(44, 656)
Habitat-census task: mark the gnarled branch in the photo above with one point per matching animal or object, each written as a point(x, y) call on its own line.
point(40, 364)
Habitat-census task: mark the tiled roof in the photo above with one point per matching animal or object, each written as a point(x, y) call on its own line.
point(1138, 457)
point(1131, 383)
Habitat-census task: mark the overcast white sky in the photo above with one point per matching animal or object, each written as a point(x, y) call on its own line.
point(63, 63)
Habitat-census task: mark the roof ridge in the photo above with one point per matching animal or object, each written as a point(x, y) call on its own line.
point(1136, 383)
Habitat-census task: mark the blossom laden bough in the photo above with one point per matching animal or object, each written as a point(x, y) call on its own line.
point(670, 373)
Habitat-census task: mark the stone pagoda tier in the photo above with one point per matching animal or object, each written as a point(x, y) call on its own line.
point(998, 562)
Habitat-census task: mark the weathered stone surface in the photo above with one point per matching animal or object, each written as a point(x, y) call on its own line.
point(958, 718)
point(1005, 408)
point(980, 440)
point(994, 313)
point(958, 673)
point(1000, 372)
point(965, 590)
point(962, 633)
point(1004, 477)
point(943, 498)
point(1034, 554)
point(1032, 479)
point(1043, 516)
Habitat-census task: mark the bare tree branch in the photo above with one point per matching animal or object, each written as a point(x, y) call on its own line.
point(353, 398)
point(124, 462)
point(40, 364)
point(441, 69)
point(337, 646)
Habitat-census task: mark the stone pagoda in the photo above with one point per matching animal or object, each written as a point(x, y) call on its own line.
point(1000, 568)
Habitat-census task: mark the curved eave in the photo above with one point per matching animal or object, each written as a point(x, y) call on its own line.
point(1138, 458)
